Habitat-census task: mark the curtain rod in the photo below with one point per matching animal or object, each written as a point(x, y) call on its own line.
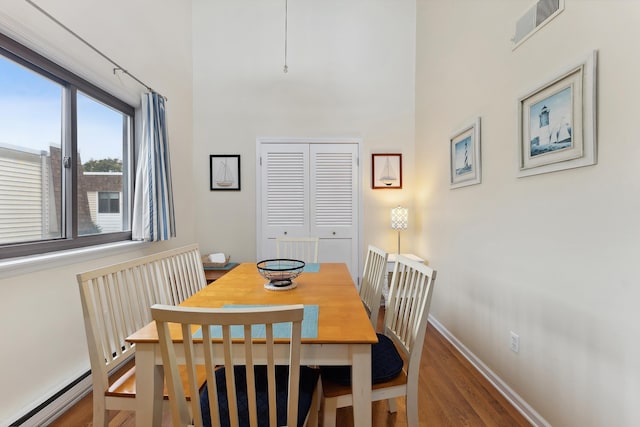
point(117, 67)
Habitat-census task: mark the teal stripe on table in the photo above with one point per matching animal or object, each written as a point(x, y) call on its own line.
point(280, 330)
point(311, 268)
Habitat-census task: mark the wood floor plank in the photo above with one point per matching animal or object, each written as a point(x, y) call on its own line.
point(481, 394)
point(472, 391)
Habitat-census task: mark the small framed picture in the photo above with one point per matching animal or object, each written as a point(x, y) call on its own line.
point(464, 147)
point(557, 122)
point(386, 171)
point(224, 172)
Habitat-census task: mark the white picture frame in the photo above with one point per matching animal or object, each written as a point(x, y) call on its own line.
point(557, 122)
point(465, 162)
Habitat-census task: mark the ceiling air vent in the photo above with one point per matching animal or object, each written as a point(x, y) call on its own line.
point(535, 17)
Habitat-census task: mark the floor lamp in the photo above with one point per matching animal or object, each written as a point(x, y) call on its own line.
point(399, 221)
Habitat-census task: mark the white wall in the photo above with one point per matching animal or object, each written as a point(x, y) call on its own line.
point(41, 326)
point(351, 74)
point(551, 257)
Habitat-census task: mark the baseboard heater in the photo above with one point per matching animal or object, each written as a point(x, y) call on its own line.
point(57, 404)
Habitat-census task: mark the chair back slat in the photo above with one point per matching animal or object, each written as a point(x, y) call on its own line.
point(375, 268)
point(182, 275)
point(408, 307)
point(299, 248)
point(232, 354)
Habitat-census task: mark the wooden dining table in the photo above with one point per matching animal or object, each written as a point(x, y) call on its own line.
point(344, 333)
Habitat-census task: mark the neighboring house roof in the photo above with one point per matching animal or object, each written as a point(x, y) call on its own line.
point(102, 181)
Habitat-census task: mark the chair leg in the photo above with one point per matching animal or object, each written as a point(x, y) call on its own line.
point(312, 417)
point(329, 412)
point(393, 406)
point(99, 416)
point(412, 409)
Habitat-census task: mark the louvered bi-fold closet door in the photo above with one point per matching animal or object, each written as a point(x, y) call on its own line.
point(311, 189)
point(285, 192)
point(333, 197)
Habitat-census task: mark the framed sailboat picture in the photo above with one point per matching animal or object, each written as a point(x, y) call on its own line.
point(464, 147)
point(225, 172)
point(386, 171)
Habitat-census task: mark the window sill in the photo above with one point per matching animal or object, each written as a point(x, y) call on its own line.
point(30, 264)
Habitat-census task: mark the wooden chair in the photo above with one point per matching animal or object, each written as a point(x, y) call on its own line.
point(242, 378)
point(405, 325)
point(300, 248)
point(116, 302)
point(373, 279)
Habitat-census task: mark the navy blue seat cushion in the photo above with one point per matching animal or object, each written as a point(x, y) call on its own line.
point(308, 381)
point(386, 364)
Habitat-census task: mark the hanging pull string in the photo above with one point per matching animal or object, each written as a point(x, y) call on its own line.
point(286, 15)
point(116, 66)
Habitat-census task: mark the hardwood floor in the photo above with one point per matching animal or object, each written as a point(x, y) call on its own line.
point(452, 393)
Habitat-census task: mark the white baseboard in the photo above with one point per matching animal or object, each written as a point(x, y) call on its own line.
point(514, 398)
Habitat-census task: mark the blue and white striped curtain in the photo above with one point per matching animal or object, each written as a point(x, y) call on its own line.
point(153, 212)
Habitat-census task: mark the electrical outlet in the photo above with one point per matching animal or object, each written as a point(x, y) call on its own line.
point(514, 342)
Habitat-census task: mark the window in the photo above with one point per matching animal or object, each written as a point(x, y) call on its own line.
point(108, 202)
point(66, 150)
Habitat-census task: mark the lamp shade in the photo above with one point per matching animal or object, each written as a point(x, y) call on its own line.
point(399, 218)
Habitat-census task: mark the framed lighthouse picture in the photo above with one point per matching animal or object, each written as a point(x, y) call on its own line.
point(557, 122)
point(464, 147)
